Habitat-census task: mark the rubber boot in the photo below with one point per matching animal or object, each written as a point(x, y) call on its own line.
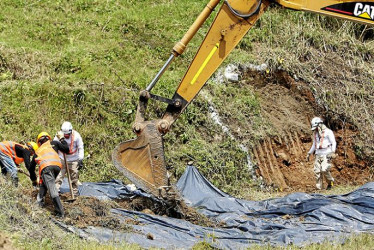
point(40, 200)
point(330, 185)
point(15, 181)
point(58, 207)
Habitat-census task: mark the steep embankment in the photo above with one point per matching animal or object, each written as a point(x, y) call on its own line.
point(85, 61)
point(289, 105)
point(313, 66)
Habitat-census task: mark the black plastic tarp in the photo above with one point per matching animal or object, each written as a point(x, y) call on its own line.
point(298, 218)
point(113, 189)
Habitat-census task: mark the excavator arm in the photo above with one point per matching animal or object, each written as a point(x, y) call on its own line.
point(142, 159)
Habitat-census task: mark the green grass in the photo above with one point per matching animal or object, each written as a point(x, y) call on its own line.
point(86, 61)
point(362, 241)
point(30, 227)
point(254, 193)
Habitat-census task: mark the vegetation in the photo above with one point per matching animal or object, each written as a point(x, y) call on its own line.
point(86, 61)
point(363, 241)
point(31, 227)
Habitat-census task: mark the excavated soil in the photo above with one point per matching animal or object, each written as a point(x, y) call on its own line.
point(176, 209)
point(289, 105)
point(90, 211)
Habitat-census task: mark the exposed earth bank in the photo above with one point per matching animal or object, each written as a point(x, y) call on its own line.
point(289, 105)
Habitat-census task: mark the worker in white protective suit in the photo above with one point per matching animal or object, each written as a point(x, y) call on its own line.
point(74, 158)
point(324, 146)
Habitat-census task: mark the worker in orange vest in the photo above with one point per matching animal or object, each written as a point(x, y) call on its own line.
point(49, 167)
point(12, 154)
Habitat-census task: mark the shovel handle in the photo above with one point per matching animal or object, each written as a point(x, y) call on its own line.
point(69, 179)
point(20, 170)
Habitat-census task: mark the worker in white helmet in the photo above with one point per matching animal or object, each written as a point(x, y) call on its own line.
point(74, 158)
point(324, 146)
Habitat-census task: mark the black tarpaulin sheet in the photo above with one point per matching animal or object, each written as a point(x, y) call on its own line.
point(113, 189)
point(298, 218)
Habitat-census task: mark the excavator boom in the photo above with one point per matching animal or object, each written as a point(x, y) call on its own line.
point(142, 159)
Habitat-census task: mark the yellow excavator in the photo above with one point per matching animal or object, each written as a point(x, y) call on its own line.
point(142, 159)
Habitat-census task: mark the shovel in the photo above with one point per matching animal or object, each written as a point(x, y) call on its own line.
point(69, 179)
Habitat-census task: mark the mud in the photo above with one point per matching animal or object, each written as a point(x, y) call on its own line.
point(289, 105)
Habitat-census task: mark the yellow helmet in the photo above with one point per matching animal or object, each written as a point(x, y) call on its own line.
point(41, 136)
point(32, 145)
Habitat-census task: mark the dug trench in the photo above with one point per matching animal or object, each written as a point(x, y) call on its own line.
point(280, 159)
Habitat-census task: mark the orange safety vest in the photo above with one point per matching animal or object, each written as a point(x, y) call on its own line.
point(46, 156)
point(9, 148)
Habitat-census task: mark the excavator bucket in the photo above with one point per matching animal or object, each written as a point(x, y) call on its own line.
point(142, 160)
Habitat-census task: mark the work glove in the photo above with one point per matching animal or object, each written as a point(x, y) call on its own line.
point(60, 135)
point(331, 156)
point(80, 164)
point(307, 157)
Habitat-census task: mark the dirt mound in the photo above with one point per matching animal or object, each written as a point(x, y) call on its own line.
point(90, 211)
point(289, 105)
point(176, 209)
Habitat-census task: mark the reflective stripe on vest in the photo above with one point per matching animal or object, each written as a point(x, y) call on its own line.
point(322, 138)
point(47, 156)
point(9, 148)
point(320, 146)
point(72, 145)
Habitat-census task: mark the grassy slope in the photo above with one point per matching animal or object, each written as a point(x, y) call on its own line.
point(30, 227)
point(86, 60)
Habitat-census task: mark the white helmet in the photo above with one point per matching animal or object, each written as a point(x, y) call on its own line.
point(67, 128)
point(315, 122)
